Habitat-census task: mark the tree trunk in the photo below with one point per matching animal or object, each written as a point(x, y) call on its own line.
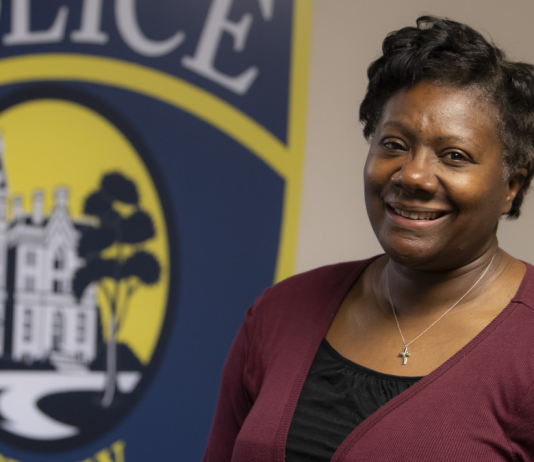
point(111, 363)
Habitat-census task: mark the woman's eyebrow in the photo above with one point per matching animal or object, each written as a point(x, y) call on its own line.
point(445, 138)
point(396, 124)
point(460, 139)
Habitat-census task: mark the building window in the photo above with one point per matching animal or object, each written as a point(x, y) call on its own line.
point(59, 259)
point(30, 258)
point(27, 325)
point(57, 331)
point(80, 328)
point(57, 286)
point(29, 283)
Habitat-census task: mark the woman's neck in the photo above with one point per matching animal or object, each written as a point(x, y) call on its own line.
point(420, 293)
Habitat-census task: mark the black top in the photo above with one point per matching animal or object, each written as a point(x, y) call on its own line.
point(336, 397)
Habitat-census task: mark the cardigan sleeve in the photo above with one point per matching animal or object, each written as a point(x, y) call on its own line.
point(522, 434)
point(234, 400)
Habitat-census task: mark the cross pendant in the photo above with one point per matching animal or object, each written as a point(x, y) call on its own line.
point(404, 355)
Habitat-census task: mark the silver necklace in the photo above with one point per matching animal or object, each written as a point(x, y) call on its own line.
point(404, 354)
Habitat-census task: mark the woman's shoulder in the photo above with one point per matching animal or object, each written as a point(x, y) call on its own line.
point(324, 279)
point(298, 309)
point(525, 293)
point(311, 292)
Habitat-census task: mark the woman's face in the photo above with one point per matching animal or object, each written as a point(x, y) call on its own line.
point(434, 186)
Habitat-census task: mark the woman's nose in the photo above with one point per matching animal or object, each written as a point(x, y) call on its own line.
point(417, 174)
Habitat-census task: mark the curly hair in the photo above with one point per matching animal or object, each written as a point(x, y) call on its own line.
point(453, 54)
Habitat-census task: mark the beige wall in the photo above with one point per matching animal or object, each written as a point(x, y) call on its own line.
point(346, 37)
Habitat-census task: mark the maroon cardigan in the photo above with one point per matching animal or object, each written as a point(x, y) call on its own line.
point(477, 406)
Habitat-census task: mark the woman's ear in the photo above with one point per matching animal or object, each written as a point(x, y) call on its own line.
point(515, 182)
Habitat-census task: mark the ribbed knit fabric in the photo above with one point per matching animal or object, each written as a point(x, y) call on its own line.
point(337, 396)
point(477, 406)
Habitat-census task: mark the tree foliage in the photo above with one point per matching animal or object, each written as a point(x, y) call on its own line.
point(115, 230)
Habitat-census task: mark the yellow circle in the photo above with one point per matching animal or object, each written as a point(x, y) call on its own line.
point(51, 143)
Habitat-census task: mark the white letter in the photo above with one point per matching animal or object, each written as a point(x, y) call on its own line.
point(267, 8)
point(89, 31)
point(21, 33)
point(216, 24)
point(126, 18)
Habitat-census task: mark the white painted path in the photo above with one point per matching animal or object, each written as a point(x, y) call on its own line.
point(21, 391)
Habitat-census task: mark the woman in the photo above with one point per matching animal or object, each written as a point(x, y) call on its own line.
point(426, 352)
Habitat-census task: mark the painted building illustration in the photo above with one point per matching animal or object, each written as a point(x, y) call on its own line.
point(40, 318)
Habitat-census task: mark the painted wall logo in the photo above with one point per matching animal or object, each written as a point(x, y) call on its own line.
point(84, 269)
point(151, 169)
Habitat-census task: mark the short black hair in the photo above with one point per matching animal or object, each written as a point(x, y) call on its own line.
point(453, 54)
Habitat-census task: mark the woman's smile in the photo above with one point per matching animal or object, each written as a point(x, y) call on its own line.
point(417, 215)
point(414, 218)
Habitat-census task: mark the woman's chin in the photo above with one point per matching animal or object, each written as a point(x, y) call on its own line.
point(418, 257)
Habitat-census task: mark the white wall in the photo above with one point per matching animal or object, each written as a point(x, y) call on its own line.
point(346, 36)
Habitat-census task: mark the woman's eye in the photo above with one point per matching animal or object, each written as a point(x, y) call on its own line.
point(456, 156)
point(394, 145)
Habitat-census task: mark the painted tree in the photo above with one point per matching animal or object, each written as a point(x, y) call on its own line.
point(115, 258)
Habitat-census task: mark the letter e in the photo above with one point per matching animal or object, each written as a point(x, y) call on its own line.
point(203, 61)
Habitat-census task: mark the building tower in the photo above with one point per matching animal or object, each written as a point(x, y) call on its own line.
point(3, 244)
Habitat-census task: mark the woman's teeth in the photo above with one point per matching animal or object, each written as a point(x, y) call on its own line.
point(418, 215)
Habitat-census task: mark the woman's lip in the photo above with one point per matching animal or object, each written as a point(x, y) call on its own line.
point(411, 223)
point(409, 208)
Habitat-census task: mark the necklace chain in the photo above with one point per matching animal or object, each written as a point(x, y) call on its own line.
point(406, 345)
